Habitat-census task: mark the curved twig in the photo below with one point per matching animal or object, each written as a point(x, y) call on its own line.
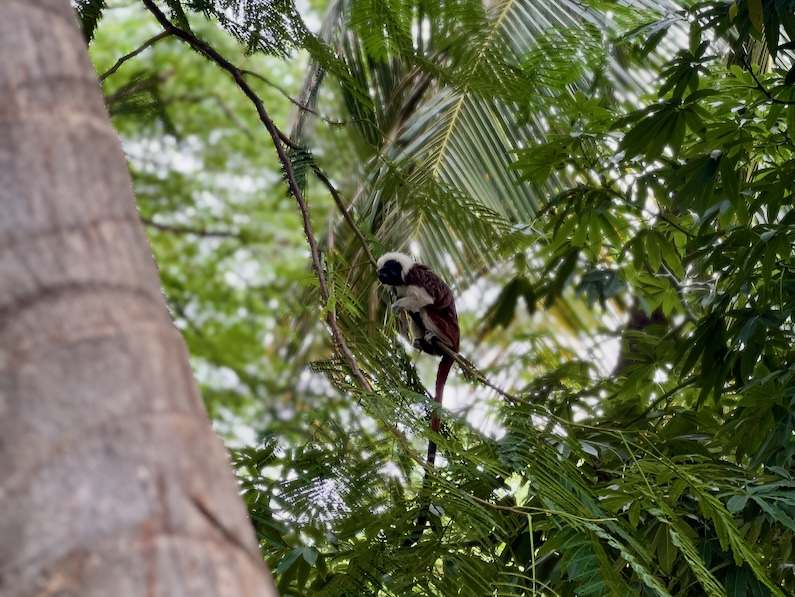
point(149, 42)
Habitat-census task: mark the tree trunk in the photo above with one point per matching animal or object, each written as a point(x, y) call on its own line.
point(112, 482)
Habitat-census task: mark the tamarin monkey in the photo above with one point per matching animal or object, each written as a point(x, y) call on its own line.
point(429, 303)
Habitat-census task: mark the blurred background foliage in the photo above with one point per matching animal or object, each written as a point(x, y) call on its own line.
point(608, 188)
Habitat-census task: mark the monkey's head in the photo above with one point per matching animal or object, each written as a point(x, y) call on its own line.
point(392, 268)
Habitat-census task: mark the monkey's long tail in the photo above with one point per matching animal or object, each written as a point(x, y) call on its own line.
point(442, 372)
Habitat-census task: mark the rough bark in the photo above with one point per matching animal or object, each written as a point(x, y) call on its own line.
point(112, 481)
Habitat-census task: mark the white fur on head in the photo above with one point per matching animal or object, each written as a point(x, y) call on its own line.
point(406, 262)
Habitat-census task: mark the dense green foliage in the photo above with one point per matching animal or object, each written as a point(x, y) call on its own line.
point(627, 174)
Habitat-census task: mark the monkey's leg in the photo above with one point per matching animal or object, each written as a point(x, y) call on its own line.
point(418, 334)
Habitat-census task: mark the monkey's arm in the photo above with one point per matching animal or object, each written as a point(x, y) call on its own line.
point(414, 300)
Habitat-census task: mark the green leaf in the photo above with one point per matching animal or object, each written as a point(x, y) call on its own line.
point(775, 512)
point(791, 123)
point(651, 134)
point(501, 312)
point(288, 562)
point(671, 257)
point(730, 180)
point(653, 252)
point(581, 232)
point(699, 177)
point(736, 503)
point(664, 548)
point(756, 14)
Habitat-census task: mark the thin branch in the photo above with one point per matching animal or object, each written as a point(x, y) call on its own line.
point(608, 185)
point(471, 371)
point(762, 88)
point(126, 91)
point(404, 443)
point(295, 102)
point(187, 230)
point(150, 42)
point(345, 214)
point(680, 290)
point(669, 394)
point(210, 52)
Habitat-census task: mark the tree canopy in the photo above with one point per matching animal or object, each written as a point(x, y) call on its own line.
point(607, 186)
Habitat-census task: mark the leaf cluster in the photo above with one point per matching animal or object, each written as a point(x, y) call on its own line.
point(675, 212)
point(490, 141)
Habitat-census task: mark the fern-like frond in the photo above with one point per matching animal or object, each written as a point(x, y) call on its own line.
point(140, 97)
point(269, 26)
point(89, 13)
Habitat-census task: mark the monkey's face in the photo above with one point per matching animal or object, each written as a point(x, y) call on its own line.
point(391, 273)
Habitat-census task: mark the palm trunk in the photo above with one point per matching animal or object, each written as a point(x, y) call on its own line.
point(112, 481)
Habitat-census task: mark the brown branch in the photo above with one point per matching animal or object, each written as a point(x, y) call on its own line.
point(664, 398)
point(472, 372)
point(278, 138)
point(150, 42)
point(337, 199)
point(276, 135)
